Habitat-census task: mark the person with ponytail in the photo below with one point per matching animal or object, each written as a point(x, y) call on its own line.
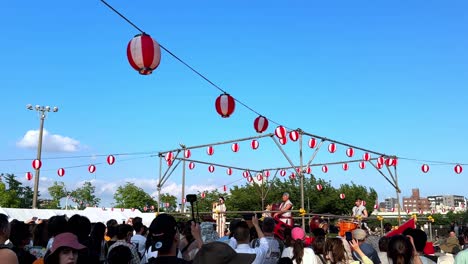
point(335, 252)
point(298, 252)
point(401, 250)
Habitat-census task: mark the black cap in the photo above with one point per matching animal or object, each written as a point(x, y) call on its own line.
point(163, 229)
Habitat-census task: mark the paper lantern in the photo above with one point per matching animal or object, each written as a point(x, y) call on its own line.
point(319, 187)
point(366, 156)
point(259, 177)
point(294, 135)
point(225, 105)
point(29, 176)
point(203, 195)
point(350, 152)
point(228, 171)
point(169, 156)
point(91, 168)
point(169, 162)
point(421, 212)
point(379, 166)
point(210, 150)
point(342, 196)
point(191, 165)
point(260, 124)
point(458, 169)
point(390, 162)
point(376, 206)
point(133, 209)
point(110, 159)
point(407, 211)
point(235, 147)
point(324, 168)
point(224, 188)
point(345, 166)
point(145, 208)
point(211, 168)
point(249, 179)
point(254, 144)
point(364, 203)
point(266, 173)
point(61, 172)
point(246, 174)
point(362, 165)
point(36, 164)
point(308, 170)
point(312, 143)
point(332, 148)
point(282, 173)
point(283, 141)
point(292, 176)
point(143, 54)
point(187, 153)
point(280, 132)
point(425, 168)
point(152, 207)
point(381, 160)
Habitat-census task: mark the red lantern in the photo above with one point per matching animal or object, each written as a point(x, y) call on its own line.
point(421, 212)
point(324, 168)
point(381, 160)
point(294, 135)
point(458, 169)
point(187, 153)
point(145, 208)
point(425, 168)
point(91, 168)
point(169, 156)
point(255, 144)
point(183, 200)
point(282, 173)
point(308, 170)
point(225, 105)
point(376, 206)
point(395, 162)
point(293, 176)
point(379, 166)
point(246, 174)
point(312, 143)
point(211, 168)
point(29, 176)
point(280, 132)
point(224, 188)
point(122, 209)
point(332, 148)
point(210, 150)
point(408, 211)
point(203, 195)
point(389, 162)
point(366, 156)
point(283, 141)
point(392, 209)
point(191, 165)
point(61, 172)
point(362, 165)
point(249, 179)
point(36, 164)
point(345, 166)
point(266, 173)
point(259, 177)
point(110, 159)
point(260, 124)
point(350, 152)
point(319, 187)
point(364, 203)
point(235, 147)
point(143, 54)
point(342, 196)
point(169, 163)
point(229, 171)
point(152, 207)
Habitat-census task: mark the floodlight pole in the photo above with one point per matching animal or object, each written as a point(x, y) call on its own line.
point(42, 110)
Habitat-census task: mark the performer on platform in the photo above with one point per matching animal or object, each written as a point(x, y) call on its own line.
point(219, 209)
point(285, 210)
point(360, 213)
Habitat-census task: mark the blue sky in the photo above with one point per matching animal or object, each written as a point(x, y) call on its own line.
point(390, 77)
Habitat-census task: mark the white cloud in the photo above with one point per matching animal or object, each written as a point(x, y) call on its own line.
point(50, 142)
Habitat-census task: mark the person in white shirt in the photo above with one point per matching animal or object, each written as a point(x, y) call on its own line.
point(285, 210)
point(139, 241)
point(219, 215)
point(242, 237)
point(298, 253)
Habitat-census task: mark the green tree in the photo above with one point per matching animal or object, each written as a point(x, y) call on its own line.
point(85, 196)
point(57, 191)
point(16, 195)
point(170, 199)
point(131, 196)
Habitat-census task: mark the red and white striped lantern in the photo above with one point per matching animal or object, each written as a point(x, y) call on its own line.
point(319, 187)
point(211, 168)
point(294, 135)
point(143, 54)
point(29, 176)
point(292, 176)
point(266, 173)
point(280, 132)
point(364, 203)
point(282, 173)
point(345, 166)
point(324, 168)
point(421, 212)
point(259, 177)
point(443, 210)
point(407, 211)
point(229, 171)
point(184, 200)
point(203, 195)
point(389, 162)
point(366, 156)
point(392, 209)
point(246, 174)
point(225, 105)
point(312, 143)
point(379, 166)
point(362, 165)
point(458, 169)
point(210, 150)
point(381, 160)
point(61, 172)
point(191, 165)
point(110, 159)
point(169, 162)
point(298, 170)
point(376, 206)
point(283, 141)
point(224, 188)
point(395, 162)
point(350, 152)
point(187, 153)
point(254, 144)
point(91, 168)
point(249, 179)
point(432, 211)
point(145, 208)
point(122, 209)
point(235, 147)
point(308, 170)
point(332, 148)
point(36, 164)
point(425, 168)
point(342, 196)
point(260, 124)
point(169, 156)
point(152, 207)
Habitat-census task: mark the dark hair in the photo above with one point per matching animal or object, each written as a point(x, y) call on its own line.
point(111, 222)
point(387, 227)
point(40, 235)
point(318, 232)
point(137, 226)
point(119, 255)
point(336, 247)
point(96, 238)
point(4, 224)
point(19, 232)
point(187, 231)
point(80, 226)
point(137, 220)
point(285, 260)
point(123, 230)
point(56, 225)
point(318, 244)
point(268, 225)
point(233, 226)
point(298, 250)
point(242, 232)
point(222, 198)
point(400, 250)
point(383, 244)
point(419, 238)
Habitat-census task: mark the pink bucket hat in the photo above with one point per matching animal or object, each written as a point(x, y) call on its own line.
point(298, 233)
